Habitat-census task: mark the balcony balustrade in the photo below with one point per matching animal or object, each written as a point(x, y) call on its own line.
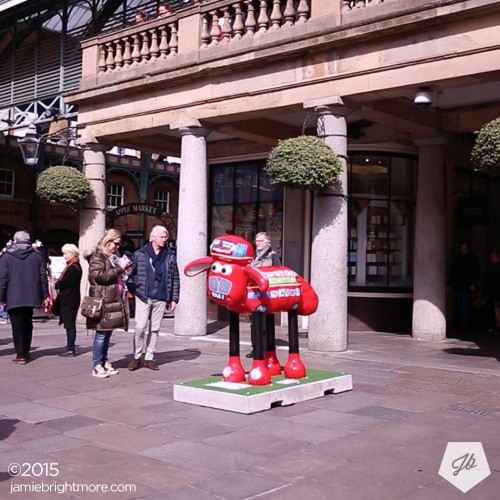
point(220, 22)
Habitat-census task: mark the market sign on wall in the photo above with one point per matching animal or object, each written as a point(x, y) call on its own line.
point(135, 209)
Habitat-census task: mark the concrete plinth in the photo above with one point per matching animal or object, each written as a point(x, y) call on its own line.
point(213, 392)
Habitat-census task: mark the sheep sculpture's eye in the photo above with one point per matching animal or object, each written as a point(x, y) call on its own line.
point(216, 267)
point(226, 270)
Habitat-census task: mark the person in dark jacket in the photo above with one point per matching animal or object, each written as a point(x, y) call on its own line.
point(264, 253)
point(23, 286)
point(464, 278)
point(106, 273)
point(68, 287)
point(264, 256)
point(155, 282)
point(491, 293)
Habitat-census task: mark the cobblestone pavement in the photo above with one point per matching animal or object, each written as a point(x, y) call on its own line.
point(70, 433)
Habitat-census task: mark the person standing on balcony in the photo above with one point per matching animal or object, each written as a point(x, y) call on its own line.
point(141, 17)
point(155, 283)
point(23, 286)
point(164, 10)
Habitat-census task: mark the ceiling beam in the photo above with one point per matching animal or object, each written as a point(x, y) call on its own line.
point(402, 116)
point(262, 131)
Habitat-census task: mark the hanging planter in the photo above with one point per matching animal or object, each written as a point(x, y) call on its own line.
point(485, 154)
point(303, 162)
point(63, 184)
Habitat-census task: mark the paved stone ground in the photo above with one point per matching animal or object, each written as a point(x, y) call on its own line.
point(384, 440)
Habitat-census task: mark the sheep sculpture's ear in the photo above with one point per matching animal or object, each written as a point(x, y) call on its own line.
point(198, 266)
point(255, 275)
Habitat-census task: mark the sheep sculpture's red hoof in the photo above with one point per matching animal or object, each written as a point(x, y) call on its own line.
point(294, 367)
point(234, 371)
point(272, 363)
point(259, 373)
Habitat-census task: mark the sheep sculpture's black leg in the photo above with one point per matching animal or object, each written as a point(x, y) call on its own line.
point(259, 373)
point(271, 359)
point(234, 371)
point(294, 367)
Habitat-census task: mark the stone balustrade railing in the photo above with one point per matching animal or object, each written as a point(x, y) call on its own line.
point(217, 22)
point(248, 18)
point(149, 42)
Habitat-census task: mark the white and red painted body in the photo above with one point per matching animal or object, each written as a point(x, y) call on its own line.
point(232, 283)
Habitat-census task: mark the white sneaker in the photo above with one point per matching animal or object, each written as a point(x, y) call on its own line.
point(110, 369)
point(99, 372)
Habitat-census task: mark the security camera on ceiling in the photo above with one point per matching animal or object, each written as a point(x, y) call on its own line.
point(423, 98)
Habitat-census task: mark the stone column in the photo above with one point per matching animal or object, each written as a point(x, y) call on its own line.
point(429, 265)
point(191, 312)
point(93, 213)
point(328, 326)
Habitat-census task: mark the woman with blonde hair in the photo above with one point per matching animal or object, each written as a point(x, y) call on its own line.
point(106, 270)
point(68, 287)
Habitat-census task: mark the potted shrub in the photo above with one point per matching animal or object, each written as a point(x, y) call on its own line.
point(485, 153)
point(303, 162)
point(63, 184)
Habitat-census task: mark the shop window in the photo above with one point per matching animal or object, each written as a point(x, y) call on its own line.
point(6, 182)
point(244, 202)
point(115, 195)
point(162, 199)
point(381, 205)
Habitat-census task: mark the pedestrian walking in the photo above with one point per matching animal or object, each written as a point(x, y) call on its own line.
point(106, 272)
point(23, 286)
point(68, 287)
point(464, 277)
point(155, 283)
point(491, 293)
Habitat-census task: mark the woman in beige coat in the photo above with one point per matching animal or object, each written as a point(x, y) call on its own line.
point(106, 272)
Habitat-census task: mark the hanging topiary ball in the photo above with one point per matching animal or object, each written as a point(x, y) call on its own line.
point(63, 184)
point(485, 153)
point(303, 162)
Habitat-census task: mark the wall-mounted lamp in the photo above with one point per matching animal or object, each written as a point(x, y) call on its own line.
point(423, 98)
point(30, 144)
point(53, 113)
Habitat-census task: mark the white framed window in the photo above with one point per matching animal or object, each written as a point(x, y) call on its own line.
point(162, 199)
point(6, 182)
point(114, 197)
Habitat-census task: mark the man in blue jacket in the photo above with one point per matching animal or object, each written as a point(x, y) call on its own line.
point(23, 286)
point(155, 283)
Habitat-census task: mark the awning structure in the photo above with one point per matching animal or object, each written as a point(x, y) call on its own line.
point(7, 4)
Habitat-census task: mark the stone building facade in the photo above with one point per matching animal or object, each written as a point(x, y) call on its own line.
point(397, 89)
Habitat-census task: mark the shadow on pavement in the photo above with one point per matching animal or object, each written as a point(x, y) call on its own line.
point(487, 346)
point(163, 358)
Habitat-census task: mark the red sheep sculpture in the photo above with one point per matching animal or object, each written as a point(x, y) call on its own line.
point(232, 283)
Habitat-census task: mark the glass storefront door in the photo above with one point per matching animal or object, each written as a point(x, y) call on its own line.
point(381, 222)
point(245, 203)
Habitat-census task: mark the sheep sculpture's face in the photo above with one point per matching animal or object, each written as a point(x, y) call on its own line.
point(244, 289)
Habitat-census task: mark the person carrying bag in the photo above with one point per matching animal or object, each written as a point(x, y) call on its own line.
point(105, 279)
